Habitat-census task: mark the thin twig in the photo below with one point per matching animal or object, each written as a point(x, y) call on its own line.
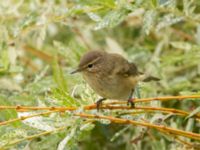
point(33, 136)
point(162, 109)
point(161, 128)
point(26, 117)
point(63, 109)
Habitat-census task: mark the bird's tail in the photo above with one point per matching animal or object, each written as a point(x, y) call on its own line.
point(147, 78)
point(150, 78)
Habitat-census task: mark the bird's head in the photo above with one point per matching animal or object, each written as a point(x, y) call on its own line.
point(90, 62)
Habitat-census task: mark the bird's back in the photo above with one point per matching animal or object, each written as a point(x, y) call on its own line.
point(121, 66)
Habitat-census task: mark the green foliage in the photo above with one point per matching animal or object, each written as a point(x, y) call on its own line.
point(41, 42)
point(7, 114)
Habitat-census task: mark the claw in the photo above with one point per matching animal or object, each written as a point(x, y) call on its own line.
point(99, 103)
point(131, 102)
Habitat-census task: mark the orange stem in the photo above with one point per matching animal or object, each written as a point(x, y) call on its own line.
point(161, 128)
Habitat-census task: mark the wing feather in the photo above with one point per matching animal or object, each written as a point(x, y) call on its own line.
point(123, 67)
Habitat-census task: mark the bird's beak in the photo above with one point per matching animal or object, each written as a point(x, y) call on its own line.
point(75, 71)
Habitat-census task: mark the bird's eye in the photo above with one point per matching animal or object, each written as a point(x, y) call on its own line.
point(90, 65)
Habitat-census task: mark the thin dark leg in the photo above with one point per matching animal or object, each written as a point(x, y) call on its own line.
point(131, 100)
point(99, 102)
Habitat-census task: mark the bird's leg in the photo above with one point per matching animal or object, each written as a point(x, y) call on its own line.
point(131, 99)
point(99, 102)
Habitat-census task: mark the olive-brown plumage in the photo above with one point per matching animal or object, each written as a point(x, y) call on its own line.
point(110, 75)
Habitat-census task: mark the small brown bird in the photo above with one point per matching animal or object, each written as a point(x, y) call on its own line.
point(110, 75)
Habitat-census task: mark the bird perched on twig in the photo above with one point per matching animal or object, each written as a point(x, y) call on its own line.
point(110, 75)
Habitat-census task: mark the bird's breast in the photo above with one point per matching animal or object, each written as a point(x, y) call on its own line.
point(111, 86)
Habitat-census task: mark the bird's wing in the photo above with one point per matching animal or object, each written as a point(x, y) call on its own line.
point(132, 70)
point(122, 67)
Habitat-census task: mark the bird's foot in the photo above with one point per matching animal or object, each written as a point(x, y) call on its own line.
point(99, 103)
point(131, 102)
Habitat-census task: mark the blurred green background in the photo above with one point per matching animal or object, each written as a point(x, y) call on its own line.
point(41, 41)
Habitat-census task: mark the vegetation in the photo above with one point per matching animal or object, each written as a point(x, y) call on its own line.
point(41, 42)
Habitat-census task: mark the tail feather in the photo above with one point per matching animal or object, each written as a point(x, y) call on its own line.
point(151, 78)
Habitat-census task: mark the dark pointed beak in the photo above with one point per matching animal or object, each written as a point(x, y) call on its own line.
point(75, 71)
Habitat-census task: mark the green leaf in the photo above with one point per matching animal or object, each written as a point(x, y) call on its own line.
point(168, 20)
point(193, 113)
point(59, 76)
point(4, 59)
point(87, 126)
point(119, 133)
point(106, 3)
point(7, 114)
point(66, 141)
point(154, 3)
point(190, 124)
point(28, 20)
point(94, 17)
point(188, 7)
point(149, 20)
point(64, 98)
point(182, 45)
point(112, 19)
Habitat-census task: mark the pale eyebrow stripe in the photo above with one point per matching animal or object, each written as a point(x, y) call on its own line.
point(92, 61)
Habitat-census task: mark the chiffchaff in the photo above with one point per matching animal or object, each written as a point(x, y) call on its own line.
point(110, 75)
